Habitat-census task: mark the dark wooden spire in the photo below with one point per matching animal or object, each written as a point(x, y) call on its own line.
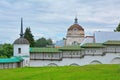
point(21, 32)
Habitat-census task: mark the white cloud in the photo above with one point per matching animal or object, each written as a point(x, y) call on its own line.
point(51, 18)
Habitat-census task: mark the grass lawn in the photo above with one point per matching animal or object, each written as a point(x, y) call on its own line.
point(88, 72)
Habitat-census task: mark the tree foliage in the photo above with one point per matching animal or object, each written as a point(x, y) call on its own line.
point(49, 41)
point(6, 50)
point(117, 28)
point(43, 42)
point(28, 35)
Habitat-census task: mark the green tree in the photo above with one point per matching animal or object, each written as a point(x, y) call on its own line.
point(28, 35)
point(49, 42)
point(117, 28)
point(6, 50)
point(41, 42)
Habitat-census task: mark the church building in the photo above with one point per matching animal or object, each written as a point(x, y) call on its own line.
point(75, 34)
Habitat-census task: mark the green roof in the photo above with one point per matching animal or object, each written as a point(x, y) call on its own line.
point(45, 50)
point(112, 42)
point(11, 60)
point(73, 48)
point(92, 45)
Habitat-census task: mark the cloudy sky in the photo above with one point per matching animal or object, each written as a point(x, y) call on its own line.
point(51, 18)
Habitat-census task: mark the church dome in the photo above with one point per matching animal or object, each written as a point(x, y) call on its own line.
point(21, 40)
point(75, 26)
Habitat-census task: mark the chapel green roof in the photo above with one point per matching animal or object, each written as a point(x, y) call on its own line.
point(11, 60)
point(71, 48)
point(44, 50)
point(112, 42)
point(93, 45)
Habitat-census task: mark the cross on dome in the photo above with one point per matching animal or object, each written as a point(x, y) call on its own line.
point(76, 20)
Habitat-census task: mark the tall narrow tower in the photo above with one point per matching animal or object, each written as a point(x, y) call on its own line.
point(21, 47)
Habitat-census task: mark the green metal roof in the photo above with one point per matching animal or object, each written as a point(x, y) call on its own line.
point(71, 48)
point(112, 42)
point(92, 45)
point(45, 50)
point(11, 60)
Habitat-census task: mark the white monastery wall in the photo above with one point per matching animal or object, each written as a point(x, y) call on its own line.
point(109, 58)
point(8, 65)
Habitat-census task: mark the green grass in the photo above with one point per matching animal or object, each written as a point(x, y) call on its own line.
point(89, 72)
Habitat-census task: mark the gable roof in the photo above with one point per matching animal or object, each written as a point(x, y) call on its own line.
point(44, 50)
point(55, 50)
point(112, 42)
point(71, 48)
point(92, 45)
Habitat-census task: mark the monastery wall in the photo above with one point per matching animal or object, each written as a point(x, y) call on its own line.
point(109, 58)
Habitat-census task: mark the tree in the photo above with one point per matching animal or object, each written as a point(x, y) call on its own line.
point(49, 41)
point(6, 50)
point(28, 35)
point(43, 42)
point(118, 28)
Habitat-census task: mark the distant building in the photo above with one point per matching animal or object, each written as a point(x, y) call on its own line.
point(60, 43)
point(75, 34)
point(102, 36)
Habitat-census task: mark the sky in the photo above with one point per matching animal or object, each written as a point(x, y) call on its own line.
point(52, 18)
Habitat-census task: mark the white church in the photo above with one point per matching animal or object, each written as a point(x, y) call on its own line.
point(78, 49)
